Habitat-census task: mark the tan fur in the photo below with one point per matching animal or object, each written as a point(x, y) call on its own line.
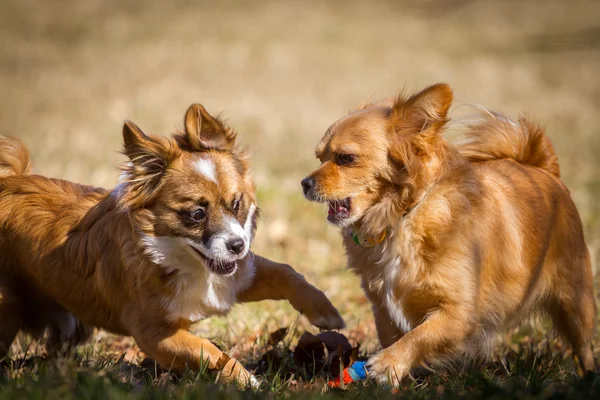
point(479, 235)
point(74, 256)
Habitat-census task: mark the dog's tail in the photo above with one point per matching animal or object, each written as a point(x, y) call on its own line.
point(494, 136)
point(14, 157)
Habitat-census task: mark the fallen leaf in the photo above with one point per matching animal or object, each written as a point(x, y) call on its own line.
point(333, 340)
point(309, 353)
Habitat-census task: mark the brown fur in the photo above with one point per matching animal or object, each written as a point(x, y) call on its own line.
point(478, 235)
point(74, 256)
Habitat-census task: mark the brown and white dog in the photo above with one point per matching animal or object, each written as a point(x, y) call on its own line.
point(453, 243)
point(170, 245)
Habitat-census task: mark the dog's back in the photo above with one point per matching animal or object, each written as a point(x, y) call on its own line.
point(26, 225)
point(532, 228)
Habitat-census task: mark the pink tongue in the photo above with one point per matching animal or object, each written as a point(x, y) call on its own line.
point(340, 208)
point(331, 211)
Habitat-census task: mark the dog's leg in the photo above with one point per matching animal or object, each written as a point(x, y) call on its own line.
point(439, 335)
point(575, 320)
point(572, 305)
point(10, 318)
point(387, 331)
point(177, 349)
point(274, 281)
point(65, 333)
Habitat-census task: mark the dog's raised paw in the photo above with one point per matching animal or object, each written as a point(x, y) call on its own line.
point(329, 322)
point(319, 311)
point(328, 319)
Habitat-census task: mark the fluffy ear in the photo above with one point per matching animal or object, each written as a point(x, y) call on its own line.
point(148, 160)
point(426, 109)
point(204, 132)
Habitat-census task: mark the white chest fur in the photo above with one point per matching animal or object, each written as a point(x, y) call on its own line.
point(392, 261)
point(392, 301)
point(198, 293)
point(199, 296)
point(394, 265)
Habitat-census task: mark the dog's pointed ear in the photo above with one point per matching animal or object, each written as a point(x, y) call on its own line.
point(148, 160)
point(205, 132)
point(143, 151)
point(426, 109)
point(134, 140)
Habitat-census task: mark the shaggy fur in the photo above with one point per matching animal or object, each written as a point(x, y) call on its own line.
point(477, 235)
point(167, 247)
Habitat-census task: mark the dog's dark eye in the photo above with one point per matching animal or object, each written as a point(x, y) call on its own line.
point(345, 159)
point(197, 215)
point(236, 204)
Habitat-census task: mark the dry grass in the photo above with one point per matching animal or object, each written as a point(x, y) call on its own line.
point(72, 71)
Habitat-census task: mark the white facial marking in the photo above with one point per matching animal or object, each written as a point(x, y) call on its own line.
point(207, 168)
point(218, 243)
point(248, 223)
point(235, 227)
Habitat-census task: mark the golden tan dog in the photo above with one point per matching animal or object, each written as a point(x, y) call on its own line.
point(170, 245)
point(453, 243)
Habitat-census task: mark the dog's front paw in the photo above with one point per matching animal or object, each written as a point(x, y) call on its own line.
point(333, 320)
point(321, 313)
point(234, 371)
point(386, 367)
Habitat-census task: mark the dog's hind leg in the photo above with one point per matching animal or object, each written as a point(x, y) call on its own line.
point(575, 322)
point(573, 312)
point(49, 322)
point(10, 318)
point(65, 332)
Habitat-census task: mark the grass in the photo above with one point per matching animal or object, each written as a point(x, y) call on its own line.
point(527, 369)
point(72, 71)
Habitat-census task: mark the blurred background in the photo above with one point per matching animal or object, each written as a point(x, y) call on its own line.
point(281, 72)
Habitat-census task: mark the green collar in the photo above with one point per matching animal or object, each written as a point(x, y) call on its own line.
point(366, 241)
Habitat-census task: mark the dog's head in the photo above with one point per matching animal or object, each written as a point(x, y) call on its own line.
point(378, 159)
point(190, 196)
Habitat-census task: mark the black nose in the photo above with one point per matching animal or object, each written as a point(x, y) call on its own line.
point(235, 246)
point(307, 184)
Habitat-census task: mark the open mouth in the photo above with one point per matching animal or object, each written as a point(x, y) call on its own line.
point(216, 266)
point(339, 210)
